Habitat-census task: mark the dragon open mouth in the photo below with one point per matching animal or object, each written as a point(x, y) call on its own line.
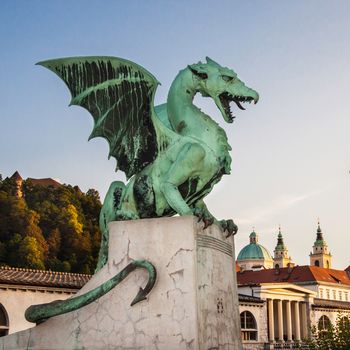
point(226, 98)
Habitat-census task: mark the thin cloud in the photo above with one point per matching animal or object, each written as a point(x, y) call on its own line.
point(263, 213)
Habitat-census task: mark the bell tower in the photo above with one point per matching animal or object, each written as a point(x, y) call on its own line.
point(17, 178)
point(320, 255)
point(281, 257)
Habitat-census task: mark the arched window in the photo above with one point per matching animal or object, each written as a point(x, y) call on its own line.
point(248, 326)
point(324, 324)
point(277, 266)
point(344, 322)
point(4, 322)
point(317, 263)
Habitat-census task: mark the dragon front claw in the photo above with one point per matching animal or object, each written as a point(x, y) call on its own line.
point(201, 215)
point(207, 222)
point(229, 226)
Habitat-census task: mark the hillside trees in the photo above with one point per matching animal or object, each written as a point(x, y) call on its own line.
point(49, 227)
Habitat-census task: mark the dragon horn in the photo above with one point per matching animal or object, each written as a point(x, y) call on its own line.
point(209, 60)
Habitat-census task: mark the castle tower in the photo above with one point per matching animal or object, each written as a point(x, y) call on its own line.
point(320, 255)
point(17, 178)
point(281, 257)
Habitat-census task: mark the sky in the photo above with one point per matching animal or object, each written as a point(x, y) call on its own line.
point(290, 152)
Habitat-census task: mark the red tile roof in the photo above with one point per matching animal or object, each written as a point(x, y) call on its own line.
point(44, 182)
point(297, 274)
point(29, 277)
point(331, 304)
point(250, 299)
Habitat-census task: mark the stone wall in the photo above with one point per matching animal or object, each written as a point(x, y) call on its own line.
point(259, 312)
point(253, 345)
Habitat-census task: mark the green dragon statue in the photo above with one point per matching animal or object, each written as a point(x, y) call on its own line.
point(173, 154)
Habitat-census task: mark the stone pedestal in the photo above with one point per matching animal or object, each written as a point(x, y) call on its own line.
point(193, 305)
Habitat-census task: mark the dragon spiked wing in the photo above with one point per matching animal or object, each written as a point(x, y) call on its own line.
point(119, 95)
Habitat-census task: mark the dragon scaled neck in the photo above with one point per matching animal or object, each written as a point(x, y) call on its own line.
point(188, 120)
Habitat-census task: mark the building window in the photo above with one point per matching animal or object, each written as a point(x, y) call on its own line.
point(4, 322)
point(334, 294)
point(346, 296)
point(321, 293)
point(248, 326)
point(317, 263)
point(324, 324)
point(328, 294)
point(345, 322)
point(340, 295)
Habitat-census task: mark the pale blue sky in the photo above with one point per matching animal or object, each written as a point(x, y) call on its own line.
point(290, 152)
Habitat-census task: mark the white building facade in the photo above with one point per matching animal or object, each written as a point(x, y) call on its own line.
point(21, 288)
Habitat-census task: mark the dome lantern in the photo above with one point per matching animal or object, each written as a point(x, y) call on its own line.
point(254, 255)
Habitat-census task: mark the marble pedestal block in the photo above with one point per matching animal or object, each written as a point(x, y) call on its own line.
point(193, 305)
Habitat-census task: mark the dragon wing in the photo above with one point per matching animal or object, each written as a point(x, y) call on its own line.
point(119, 95)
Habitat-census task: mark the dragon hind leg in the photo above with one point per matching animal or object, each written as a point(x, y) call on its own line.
point(108, 213)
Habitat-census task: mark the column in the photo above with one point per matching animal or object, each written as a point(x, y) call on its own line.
point(271, 320)
point(304, 332)
point(280, 320)
point(297, 321)
point(289, 320)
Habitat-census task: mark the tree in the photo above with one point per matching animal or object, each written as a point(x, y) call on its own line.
point(12, 247)
point(63, 220)
point(54, 243)
point(2, 253)
point(31, 254)
point(335, 337)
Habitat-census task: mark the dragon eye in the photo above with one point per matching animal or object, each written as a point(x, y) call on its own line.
point(227, 78)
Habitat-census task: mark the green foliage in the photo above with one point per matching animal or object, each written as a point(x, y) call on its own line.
point(334, 337)
point(31, 253)
point(49, 227)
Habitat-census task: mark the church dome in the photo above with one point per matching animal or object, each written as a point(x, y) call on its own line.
point(254, 250)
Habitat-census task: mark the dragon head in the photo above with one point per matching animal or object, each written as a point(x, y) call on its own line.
point(222, 84)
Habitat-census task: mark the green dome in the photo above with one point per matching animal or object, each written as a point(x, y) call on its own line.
point(254, 251)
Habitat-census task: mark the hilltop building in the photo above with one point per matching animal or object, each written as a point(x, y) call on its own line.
point(46, 182)
point(17, 178)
